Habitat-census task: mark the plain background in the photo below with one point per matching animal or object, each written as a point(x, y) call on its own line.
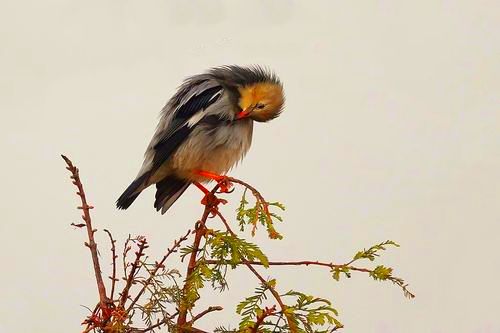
point(391, 131)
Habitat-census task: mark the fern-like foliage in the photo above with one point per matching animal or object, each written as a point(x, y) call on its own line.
point(312, 314)
point(250, 307)
point(259, 213)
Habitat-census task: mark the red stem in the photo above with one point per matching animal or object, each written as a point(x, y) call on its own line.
point(298, 263)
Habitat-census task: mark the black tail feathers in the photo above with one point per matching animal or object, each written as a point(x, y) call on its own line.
point(168, 191)
point(132, 192)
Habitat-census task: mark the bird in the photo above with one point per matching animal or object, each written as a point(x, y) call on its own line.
point(205, 129)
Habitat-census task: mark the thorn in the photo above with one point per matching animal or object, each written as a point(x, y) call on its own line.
point(78, 225)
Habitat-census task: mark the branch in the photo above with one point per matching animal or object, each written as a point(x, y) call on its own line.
point(204, 312)
point(293, 263)
point(393, 279)
point(210, 207)
point(113, 253)
point(254, 192)
point(199, 231)
point(75, 176)
point(143, 244)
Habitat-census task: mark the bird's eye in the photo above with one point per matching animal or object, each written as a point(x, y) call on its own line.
point(260, 106)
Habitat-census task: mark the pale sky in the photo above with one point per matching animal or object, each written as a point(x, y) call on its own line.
point(391, 131)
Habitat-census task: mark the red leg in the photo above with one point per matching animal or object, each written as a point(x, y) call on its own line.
point(202, 188)
point(224, 184)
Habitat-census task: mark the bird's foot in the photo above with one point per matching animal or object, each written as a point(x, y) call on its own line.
point(210, 200)
point(225, 186)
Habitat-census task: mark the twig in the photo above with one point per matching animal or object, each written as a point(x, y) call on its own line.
point(75, 176)
point(113, 253)
point(294, 263)
point(204, 312)
point(143, 244)
point(126, 249)
point(158, 265)
point(254, 192)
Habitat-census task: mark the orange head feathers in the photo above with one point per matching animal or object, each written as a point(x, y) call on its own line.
point(261, 101)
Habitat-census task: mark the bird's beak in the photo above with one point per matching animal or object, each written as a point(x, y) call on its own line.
point(244, 113)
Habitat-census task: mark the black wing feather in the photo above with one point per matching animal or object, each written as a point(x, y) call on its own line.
point(165, 148)
point(198, 102)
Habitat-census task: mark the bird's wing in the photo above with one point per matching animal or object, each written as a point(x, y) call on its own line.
point(180, 116)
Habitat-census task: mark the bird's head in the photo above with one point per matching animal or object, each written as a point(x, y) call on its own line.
point(261, 101)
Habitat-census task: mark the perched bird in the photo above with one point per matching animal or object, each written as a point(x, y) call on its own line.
point(204, 130)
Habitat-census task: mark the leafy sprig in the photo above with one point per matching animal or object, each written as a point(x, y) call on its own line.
point(259, 213)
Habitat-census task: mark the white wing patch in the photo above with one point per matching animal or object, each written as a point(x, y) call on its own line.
point(200, 114)
point(215, 96)
point(195, 118)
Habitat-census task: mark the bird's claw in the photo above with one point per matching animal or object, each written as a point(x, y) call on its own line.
point(212, 202)
point(225, 186)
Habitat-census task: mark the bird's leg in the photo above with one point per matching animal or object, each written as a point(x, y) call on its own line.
point(210, 200)
point(224, 184)
point(202, 188)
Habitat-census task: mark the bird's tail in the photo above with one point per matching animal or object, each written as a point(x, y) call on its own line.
point(132, 192)
point(168, 191)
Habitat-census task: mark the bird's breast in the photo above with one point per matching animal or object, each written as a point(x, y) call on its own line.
point(212, 147)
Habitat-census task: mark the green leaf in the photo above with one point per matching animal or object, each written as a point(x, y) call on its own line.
point(337, 270)
point(228, 247)
point(372, 252)
point(381, 273)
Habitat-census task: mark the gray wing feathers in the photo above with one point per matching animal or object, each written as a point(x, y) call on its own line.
point(168, 124)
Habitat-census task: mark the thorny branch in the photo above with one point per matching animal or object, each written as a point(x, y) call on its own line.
point(75, 176)
point(114, 256)
point(143, 244)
